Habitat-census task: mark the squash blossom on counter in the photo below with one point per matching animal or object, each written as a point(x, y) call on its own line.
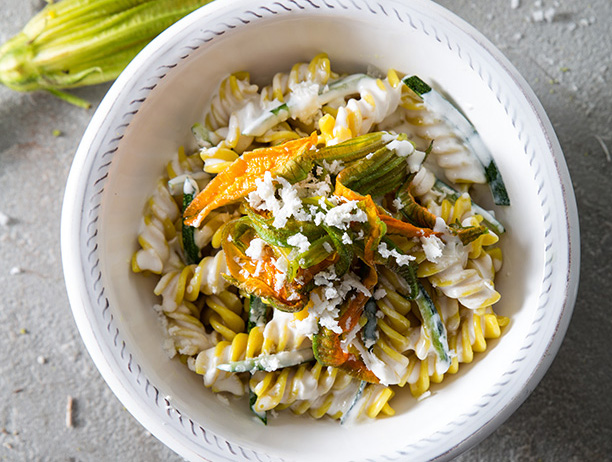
point(73, 43)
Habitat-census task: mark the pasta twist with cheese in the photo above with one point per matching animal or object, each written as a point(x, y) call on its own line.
point(448, 151)
point(318, 71)
point(187, 333)
point(276, 335)
point(337, 402)
point(157, 238)
point(231, 95)
point(378, 99)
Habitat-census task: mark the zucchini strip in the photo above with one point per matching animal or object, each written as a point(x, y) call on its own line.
point(435, 328)
point(269, 363)
point(431, 318)
point(369, 332)
point(190, 248)
point(466, 131)
point(356, 399)
point(258, 316)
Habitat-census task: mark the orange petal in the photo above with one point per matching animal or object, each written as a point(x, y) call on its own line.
point(239, 179)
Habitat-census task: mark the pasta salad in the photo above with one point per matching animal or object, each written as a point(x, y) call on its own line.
point(320, 250)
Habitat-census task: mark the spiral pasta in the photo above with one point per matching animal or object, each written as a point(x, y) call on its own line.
point(448, 151)
point(308, 255)
point(378, 99)
point(276, 335)
point(157, 237)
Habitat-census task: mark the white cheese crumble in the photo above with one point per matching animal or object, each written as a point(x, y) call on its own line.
point(300, 242)
point(402, 148)
point(342, 215)
point(380, 293)
point(432, 246)
point(346, 239)
point(264, 198)
point(326, 300)
point(401, 260)
point(255, 250)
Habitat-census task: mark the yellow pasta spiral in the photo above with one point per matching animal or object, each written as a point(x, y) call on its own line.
point(224, 313)
point(336, 402)
point(467, 285)
point(476, 327)
point(187, 333)
point(183, 163)
point(189, 281)
point(157, 231)
point(449, 152)
point(233, 91)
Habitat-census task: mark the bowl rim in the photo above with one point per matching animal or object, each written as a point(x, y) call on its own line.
point(74, 229)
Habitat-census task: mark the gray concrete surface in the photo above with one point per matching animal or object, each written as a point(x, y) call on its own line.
point(564, 50)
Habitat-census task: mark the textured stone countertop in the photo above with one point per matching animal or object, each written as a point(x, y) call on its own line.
point(564, 50)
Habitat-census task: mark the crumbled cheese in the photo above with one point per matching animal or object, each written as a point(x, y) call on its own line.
point(325, 302)
point(299, 241)
point(281, 264)
point(342, 215)
point(331, 292)
point(325, 277)
point(264, 198)
point(279, 281)
point(432, 246)
point(328, 248)
point(314, 186)
point(350, 281)
point(326, 311)
point(402, 148)
point(319, 218)
point(255, 250)
point(350, 336)
point(380, 293)
point(398, 204)
point(401, 260)
point(346, 239)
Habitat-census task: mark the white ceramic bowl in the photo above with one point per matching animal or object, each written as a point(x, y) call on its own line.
point(148, 113)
